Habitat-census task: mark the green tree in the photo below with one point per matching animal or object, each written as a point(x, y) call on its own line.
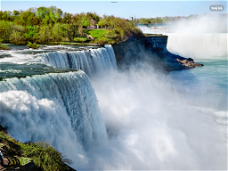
point(57, 32)
point(42, 12)
point(16, 13)
point(58, 14)
point(31, 34)
point(4, 30)
point(5, 16)
point(44, 34)
point(93, 16)
point(86, 23)
point(67, 18)
point(16, 35)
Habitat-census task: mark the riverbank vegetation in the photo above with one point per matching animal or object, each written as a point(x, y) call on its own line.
point(3, 47)
point(42, 155)
point(47, 25)
point(161, 20)
point(32, 45)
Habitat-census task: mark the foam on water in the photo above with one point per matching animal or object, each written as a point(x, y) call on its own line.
point(58, 108)
point(156, 124)
point(90, 61)
point(153, 120)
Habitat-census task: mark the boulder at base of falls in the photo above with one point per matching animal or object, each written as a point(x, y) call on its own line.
point(188, 63)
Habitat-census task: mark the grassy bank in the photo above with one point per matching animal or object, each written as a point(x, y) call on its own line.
point(4, 47)
point(98, 33)
point(73, 43)
point(43, 156)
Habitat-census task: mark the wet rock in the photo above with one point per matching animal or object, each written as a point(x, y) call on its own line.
point(188, 63)
point(154, 48)
point(198, 64)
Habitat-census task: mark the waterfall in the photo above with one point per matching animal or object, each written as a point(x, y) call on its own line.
point(58, 108)
point(90, 61)
point(200, 46)
point(61, 109)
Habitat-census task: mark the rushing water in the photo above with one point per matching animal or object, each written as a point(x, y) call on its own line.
point(59, 108)
point(93, 60)
point(134, 119)
point(198, 45)
point(177, 121)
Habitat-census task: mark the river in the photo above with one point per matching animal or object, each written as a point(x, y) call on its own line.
point(105, 118)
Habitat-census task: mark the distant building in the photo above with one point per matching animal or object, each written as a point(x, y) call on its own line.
point(131, 18)
point(93, 24)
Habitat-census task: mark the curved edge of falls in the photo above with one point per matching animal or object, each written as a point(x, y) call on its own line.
point(91, 61)
point(55, 107)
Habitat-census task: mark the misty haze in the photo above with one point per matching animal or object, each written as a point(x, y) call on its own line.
point(111, 92)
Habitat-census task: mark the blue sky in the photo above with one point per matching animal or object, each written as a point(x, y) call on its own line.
point(124, 9)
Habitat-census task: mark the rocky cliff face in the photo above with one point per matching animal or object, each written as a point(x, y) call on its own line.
point(153, 49)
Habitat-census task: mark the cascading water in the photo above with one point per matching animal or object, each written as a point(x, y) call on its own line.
point(153, 120)
point(90, 61)
point(59, 108)
point(201, 45)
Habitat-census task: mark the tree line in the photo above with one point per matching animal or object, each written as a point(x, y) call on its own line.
point(160, 20)
point(50, 24)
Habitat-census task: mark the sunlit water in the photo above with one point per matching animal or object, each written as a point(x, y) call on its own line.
point(211, 78)
point(164, 121)
point(152, 120)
